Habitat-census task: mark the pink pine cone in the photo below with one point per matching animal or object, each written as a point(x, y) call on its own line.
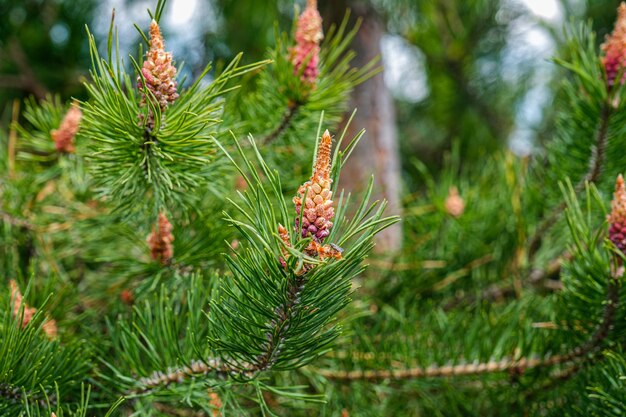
point(614, 48)
point(617, 218)
point(308, 36)
point(64, 136)
point(318, 209)
point(159, 73)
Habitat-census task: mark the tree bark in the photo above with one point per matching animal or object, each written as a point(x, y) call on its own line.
point(377, 153)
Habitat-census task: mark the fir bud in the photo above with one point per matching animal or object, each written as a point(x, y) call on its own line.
point(160, 241)
point(158, 73)
point(316, 208)
point(49, 326)
point(63, 137)
point(454, 203)
point(617, 218)
point(308, 37)
point(614, 48)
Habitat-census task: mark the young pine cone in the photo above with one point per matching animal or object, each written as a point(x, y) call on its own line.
point(318, 210)
point(617, 218)
point(308, 36)
point(64, 136)
point(614, 48)
point(158, 72)
point(160, 241)
point(49, 326)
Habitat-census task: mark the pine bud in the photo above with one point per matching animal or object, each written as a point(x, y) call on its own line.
point(318, 210)
point(324, 251)
point(160, 241)
point(49, 326)
point(216, 403)
point(64, 136)
point(17, 298)
point(614, 48)
point(617, 218)
point(158, 72)
point(454, 203)
point(308, 36)
point(127, 297)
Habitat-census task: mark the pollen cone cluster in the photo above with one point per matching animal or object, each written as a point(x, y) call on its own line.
point(617, 218)
point(49, 326)
point(64, 136)
point(308, 36)
point(314, 199)
point(314, 203)
point(614, 48)
point(160, 241)
point(158, 72)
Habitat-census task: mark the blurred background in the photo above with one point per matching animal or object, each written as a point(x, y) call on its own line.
point(473, 73)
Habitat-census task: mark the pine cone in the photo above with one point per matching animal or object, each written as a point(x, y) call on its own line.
point(64, 136)
point(308, 36)
point(158, 72)
point(614, 48)
point(160, 241)
point(49, 326)
point(318, 210)
point(455, 206)
point(617, 218)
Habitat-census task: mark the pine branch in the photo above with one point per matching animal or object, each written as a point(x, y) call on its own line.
point(592, 175)
point(16, 395)
point(162, 379)
point(292, 109)
point(280, 324)
point(518, 366)
point(15, 221)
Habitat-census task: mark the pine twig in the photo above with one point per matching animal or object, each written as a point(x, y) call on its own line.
point(16, 395)
point(160, 379)
point(292, 109)
point(591, 347)
point(7, 218)
point(275, 338)
point(595, 167)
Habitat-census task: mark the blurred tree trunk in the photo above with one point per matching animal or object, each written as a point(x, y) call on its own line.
point(377, 153)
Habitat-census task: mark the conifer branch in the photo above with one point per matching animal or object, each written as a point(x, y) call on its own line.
point(161, 379)
point(590, 347)
point(292, 109)
point(592, 175)
point(280, 324)
point(7, 218)
point(16, 395)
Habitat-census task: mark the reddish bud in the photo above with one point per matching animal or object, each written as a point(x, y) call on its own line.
point(64, 136)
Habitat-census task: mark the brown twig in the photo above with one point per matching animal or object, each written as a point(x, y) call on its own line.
point(177, 375)
point(292, 109)
point(591, 347)
point(216, 367)
point(7, 218)
point(595, 167)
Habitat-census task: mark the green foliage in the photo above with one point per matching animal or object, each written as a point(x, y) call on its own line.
point(283, 107)
point(152, 169)
point(34, 369)
point(457, 324)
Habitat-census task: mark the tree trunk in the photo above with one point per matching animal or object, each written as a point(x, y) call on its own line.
point(377, 153)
